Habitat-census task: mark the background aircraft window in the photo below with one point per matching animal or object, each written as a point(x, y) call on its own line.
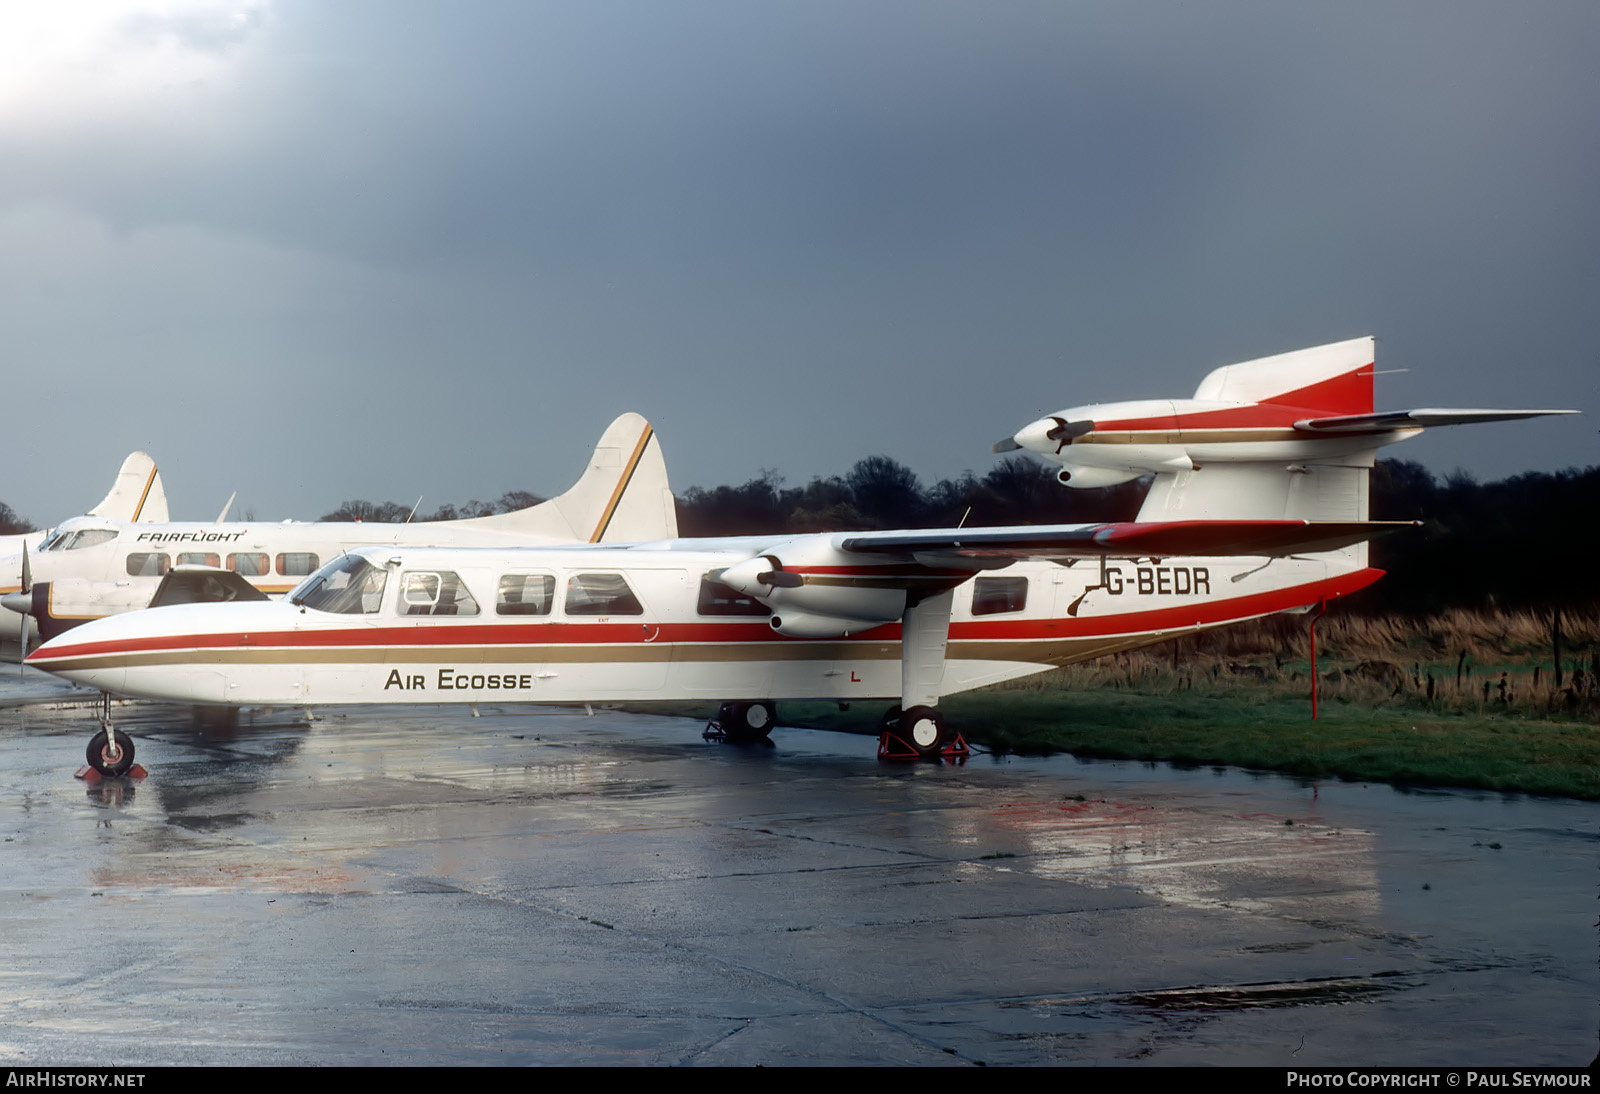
point(148, 564)
point(435, 593)
point(88, 537)
point(297, 563)
point(992, 595)
point(717, 599)
point(351, 586)
point(601, 594)
point(200, 558)
point(249, 564)
point(525, 594)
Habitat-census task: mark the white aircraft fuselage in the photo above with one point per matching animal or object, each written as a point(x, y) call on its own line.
point(655, 621)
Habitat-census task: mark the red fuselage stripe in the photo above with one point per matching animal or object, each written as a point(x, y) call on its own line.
point(639, 632)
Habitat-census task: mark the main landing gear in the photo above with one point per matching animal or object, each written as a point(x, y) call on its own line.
point(110, 752)
point(919, 734)
point(742, 723)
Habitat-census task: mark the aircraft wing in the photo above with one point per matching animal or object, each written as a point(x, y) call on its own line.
point(1414, 419)
point(1129, 539)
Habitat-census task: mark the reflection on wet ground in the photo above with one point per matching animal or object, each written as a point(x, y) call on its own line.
point(415, 885)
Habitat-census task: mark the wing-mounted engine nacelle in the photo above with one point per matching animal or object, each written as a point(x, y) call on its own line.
point(62, 604)
point(793, 624)
point(1080, 477)
point(818, 598)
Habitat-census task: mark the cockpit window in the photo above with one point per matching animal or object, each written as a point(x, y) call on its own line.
point(77, 541)
point(348, 586)
point(435, 592)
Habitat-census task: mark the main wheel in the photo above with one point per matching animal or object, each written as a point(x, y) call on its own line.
point(923, 729)
point(747, 721)
point(100, 756)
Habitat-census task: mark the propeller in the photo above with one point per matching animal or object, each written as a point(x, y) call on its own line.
point(744, 576)
point(1062, 432)
point(1066, 432)
point(781, 579)
point(27, 587)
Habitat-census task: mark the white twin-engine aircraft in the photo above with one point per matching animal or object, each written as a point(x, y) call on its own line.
point(106, 564)
point(866, 615)
point(910, 615)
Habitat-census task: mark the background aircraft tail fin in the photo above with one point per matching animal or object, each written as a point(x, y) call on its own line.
point(136, 494)
point(621, 497)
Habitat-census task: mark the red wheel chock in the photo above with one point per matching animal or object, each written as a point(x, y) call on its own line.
point(891, 746)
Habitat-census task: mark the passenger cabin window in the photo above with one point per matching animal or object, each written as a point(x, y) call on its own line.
point(525, 594)
point(717, 599)
point(601, 594)
point(351, 586)
point(993, 595)
point(435, 592)
point(250, 564)
point(200, 558)
point(297, 563)
point(148, 564)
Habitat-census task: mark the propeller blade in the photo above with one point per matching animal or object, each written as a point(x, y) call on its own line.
point(1069, 431)
point(781, 579)
point(1008, 444)
point(27, 571)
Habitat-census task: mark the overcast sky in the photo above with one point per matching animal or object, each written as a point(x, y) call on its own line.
point(311, 251)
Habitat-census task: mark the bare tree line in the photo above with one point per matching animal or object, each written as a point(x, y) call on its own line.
point(1524, 542)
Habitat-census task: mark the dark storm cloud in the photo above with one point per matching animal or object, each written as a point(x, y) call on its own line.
point(465, 236)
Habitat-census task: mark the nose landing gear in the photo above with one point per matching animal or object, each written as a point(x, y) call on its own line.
point(110, 752)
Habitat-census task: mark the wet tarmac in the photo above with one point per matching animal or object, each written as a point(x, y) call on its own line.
point(417, 886)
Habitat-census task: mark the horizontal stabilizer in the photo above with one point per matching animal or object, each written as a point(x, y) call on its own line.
point(1415, 419)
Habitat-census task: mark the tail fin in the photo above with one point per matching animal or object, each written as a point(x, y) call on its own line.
point(136, 494)
point(1332, 379)
point(621, 497)
point(1326, 380)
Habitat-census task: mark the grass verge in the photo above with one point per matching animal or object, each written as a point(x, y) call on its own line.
point(1458, 701)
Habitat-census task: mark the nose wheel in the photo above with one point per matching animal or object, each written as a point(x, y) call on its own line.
point(110, 752)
